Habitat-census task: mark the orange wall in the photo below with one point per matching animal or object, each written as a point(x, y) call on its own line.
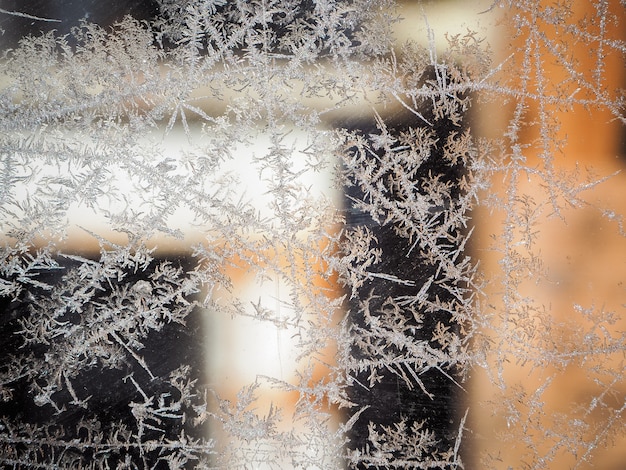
point(578, 256)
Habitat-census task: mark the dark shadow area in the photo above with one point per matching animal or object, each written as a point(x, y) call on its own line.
point(391, 400)
point(108, 389)
point(33, 17)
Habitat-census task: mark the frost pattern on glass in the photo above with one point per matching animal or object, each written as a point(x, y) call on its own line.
point(87, 123)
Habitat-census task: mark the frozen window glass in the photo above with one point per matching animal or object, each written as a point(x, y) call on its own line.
point(312, 234)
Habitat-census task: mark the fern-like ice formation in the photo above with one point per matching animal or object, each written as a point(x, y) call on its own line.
point(384, 290)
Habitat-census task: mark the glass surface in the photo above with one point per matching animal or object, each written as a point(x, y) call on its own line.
point(294, 234)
